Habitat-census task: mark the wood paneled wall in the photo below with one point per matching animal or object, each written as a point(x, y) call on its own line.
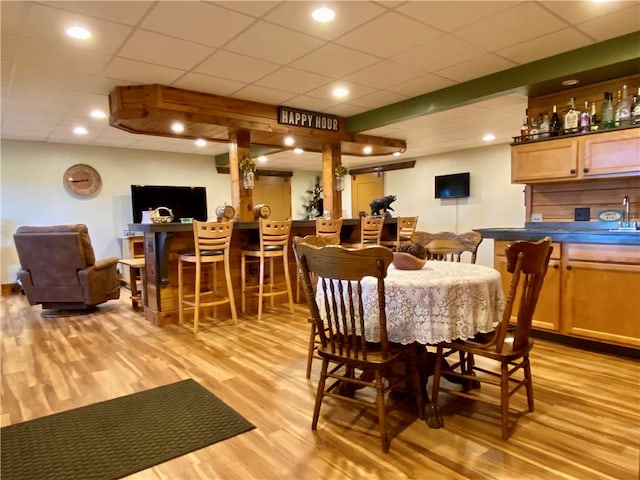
point(558, 201)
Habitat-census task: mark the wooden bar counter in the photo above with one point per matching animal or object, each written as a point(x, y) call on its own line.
point(164, 241)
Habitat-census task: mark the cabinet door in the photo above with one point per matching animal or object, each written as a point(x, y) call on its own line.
point(601, 299)
point(547, 313)
point(611, 154)
point(551, 160)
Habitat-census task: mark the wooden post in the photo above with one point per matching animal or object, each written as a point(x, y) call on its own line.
point(241, 199)
point(332, 199)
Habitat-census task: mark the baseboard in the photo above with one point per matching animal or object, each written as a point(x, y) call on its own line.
point(9, 289)
point(590, 345)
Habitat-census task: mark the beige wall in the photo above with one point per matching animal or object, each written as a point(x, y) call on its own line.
point(32, 191)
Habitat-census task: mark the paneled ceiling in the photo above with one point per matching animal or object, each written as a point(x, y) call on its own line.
point(385, 53)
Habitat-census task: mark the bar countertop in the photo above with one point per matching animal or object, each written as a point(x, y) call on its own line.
point(572, 232)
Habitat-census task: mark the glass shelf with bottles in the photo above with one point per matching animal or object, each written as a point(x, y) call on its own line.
point(589, 120)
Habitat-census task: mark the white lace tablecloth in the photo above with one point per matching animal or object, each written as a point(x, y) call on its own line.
point(443, 301)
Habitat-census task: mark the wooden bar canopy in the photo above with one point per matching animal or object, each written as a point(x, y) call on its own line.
point(151, 109)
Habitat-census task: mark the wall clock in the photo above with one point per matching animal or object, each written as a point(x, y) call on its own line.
point(82, 180)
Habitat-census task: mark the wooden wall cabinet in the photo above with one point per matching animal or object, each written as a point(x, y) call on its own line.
point(597, 155)
point(590, 291)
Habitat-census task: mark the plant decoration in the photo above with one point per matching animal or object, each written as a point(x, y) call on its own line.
point(340, 171)
point(313, 207)
point(412, 248)
point(247, 164)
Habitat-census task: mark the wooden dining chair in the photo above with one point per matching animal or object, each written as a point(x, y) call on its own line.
point(211, 242)
point(370, 232)
point(449, 246)
point(274, 243)
point(346, 346)
point(405, 228)
point(317, 241)
point(507, 349)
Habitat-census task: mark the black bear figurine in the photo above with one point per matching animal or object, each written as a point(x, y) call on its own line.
point(383, 204)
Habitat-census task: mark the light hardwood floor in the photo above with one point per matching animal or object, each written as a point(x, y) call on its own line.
point(586, 424)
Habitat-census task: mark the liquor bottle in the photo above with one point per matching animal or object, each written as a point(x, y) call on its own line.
point(524, 128)
point(607, 115)
point(554, 126)
point(571, 117)
point(585, 119)
point(534, 130)
point(595, 121)
point(635, 110)
point(623, 111)
point(544, 125)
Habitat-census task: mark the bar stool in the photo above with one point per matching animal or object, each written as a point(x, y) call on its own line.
point(370, 232)
point(405, 228)
point(211, 240)
point(324, 227)
point(274, 242)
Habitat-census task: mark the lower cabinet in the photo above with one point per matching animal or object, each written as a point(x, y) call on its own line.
point(590, 291)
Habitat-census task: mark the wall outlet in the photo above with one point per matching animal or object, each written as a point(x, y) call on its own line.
point(582, 214)
point(536, 217)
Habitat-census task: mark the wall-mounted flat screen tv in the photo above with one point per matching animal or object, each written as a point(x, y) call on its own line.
point(184, 202)
point(455, 185)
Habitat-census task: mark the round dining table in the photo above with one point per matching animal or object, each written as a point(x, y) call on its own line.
point(443, 301)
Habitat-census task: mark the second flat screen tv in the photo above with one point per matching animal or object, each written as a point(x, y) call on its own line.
point(455, 185)
point(184, 202)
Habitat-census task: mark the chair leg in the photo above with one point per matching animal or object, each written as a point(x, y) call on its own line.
point(382, 411)
point(232, 301)
point(271, 283)
point(504, 399)
point(319, 394)
point(243, 280)
point(434, 419)
point(287, 279)
point(260, 288)
point(196, 310)
point(529, 384)
point(180, 294)
point(312, 348)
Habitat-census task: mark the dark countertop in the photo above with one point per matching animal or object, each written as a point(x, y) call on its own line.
point(185, 227)
point(573, 232)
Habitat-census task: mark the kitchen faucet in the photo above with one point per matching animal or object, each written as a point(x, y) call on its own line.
point(626, 220)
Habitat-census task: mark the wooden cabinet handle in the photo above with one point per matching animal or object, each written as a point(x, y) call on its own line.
point(569, 267)
point(556, 266)
point(585, 170)
point(572, 171)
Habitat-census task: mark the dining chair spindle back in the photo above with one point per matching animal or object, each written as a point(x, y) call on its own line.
point(509, 346)
point(344, 347)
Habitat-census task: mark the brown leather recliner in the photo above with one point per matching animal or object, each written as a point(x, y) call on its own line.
point(59, 269)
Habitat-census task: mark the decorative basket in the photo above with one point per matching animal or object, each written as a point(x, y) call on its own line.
point(406, 261)
point(162, 215)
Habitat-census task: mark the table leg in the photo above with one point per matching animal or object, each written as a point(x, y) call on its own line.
point(433, 417)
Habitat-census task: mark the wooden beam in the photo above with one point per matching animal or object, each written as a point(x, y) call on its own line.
point(382, 168)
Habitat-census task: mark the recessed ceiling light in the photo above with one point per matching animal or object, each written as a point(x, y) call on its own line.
point(201, 142)
point(78, 32)
point(340, 92)
point(367, 150)
point(98, 114)
point(298, 150)
point(570, 82)
point(262, 159)
point(323, 14)
point(80, 131)
point(489, 137)
point(177, 127)
point(289, 141)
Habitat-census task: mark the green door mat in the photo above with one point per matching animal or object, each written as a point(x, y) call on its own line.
point(112, 439)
